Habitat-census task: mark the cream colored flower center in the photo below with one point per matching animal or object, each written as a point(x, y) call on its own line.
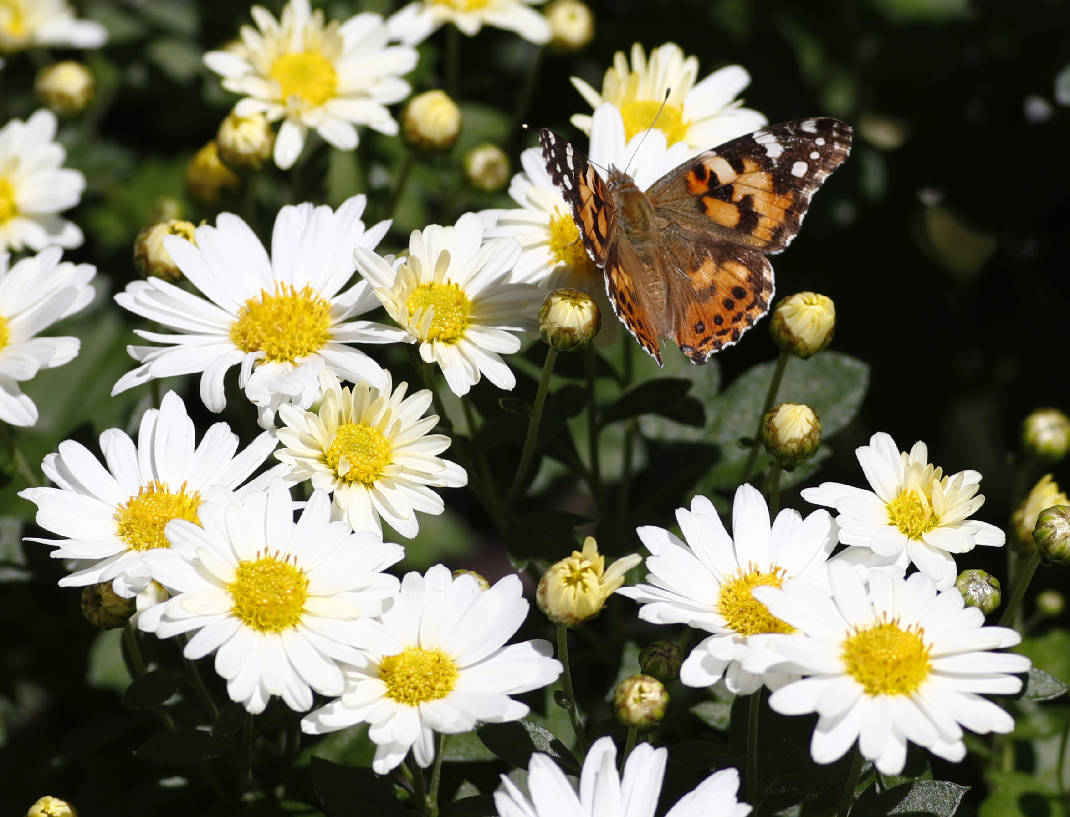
point(8, 208)
point(359, 453)
point(285, 326)
point(887, 659)
point(463, 5)
point(566, 246)
point(912, 513)
point(450, 309)
point(308, 75)
point(13, 19)
point(415, 675)
point(141, 519)
point(269, 594)
point(640, 114)
point(744, 613)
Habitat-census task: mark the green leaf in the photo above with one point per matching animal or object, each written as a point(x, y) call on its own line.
point(353, 791)
point(151, 689)
point(177, 59)
point(107, 670)
point(1049, 652)
point(516, 741)
point(182, 747)
point(465, 748)
point(230, 720)
point(922, 797)
point(479, 806)
point(540, 533)
point(1040, 686)
point(665, 396)
point(715, 714)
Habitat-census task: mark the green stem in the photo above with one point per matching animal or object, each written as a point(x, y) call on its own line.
point(419, 790)
point(754, 711)
point(533, 428)
point(595, 473)
point(436, 774)
point(566, 685)
point(453, 60)
point(773, 489)
point(847, 798)
point(133, 650)
point(399, 185)
point(770, 396)
point(291, 749)
point(23, 467)
point(629, 744)
point(1021, 584)
point(202, 691)
point(427, 372)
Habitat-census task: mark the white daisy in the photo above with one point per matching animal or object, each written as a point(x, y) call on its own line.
point(706, 581)
point(278, 601)
point(283, 318)
point(453, 293)
point(371, 449)
point(895, 662)
point(417, 21)
point(605, 792)
point(312, 74)
point(35, 293)
point(913, 514)
point(436, 661)
point(701, 115)
point(113, 515)
point(26, 23)
point(34, 187)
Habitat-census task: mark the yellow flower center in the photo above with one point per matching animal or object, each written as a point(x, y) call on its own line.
point(640, 114)
point(415, 675)
point(141, 519)
point(269, 594)
point(286, 326)
point(744, 613)
point(8, 208)
point(5, 332)
point(13, 19)
point(566, 246)
point(912, 513)
point(359, 453)
point(449, 307)
point(308, 75)
point(886, 659)
point(463, 5)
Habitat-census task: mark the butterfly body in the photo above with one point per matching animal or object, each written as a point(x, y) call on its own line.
point(686, 259)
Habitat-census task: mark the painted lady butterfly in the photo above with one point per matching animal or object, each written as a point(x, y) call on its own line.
point(687, 258)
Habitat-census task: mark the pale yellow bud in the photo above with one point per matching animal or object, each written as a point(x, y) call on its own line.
point(1046, 434)
point(207, 177)
point(65, 87)
point(640, 701)
point(245, 142)
point(568, 319)
point(575, 589)
point(571, 24)
point(487, 167)
point(150, 255)
point(791, 432)
point(51, 807)
point(431, 121)
point(1050, 603)
point(1045, 494)
point(104, 608)
point(481, 580)
point(803, 324)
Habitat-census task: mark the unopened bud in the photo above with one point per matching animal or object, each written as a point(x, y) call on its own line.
point(575, 589)
point(1052, 534)
point(571, 24)
point(245, 142)
point(1044, 494)
point(1050, 603)
point(568, 319)
point(65, 87)
point(791, 432)
point(479, 577)
point(803, 324)
point(207, 177)
point(104, 608)
point(979, 589)
point(1046, 434)
point(640, 701)
point(150, 255)
point(51, 807)
point(487, 167)
point(661, 660)
point(431, 121)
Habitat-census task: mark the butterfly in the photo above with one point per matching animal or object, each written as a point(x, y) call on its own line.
point(686, 259)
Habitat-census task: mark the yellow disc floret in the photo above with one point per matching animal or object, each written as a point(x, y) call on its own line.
point(912, 513)
point(269, 594)
point(308, 75)
point(140, 520)
point(887, 659)
point(285, 326)
point(8, 208)
point(449, 308)
point(13, 19)
point(463, 5)
point(566, 246)
point(640, 114)
point(415, 675)
point(359, 453)
point(744, 613)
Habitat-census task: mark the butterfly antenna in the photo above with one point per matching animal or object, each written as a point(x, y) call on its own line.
point(649, 128)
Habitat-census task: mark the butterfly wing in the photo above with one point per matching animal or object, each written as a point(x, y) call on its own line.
point(584, 190)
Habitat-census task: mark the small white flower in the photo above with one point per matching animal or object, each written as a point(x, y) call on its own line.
point(283, 318)
point(706, 582)
point(605, 791)
point(113, 515)
point(34, 294)
point(913, 514)
point(701, 115)
point(310, 74)
point(371, 449)
point(34, 187)
point(26, 23)
point(417, 21)
point(453, 293)
point(893, 663)
point(436, 661)
point(278, 601)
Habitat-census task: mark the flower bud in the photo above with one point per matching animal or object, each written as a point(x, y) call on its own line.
point(575, 589)
point(207, 177)
point(65, 87)
point(245, 142)
point(51, 807)
point(568, 319)
point(165, 208)
point(1046, 434)
point(431, 121)
point(791, 432)
point(481, 580)
point(1050, 603)
point(803, 323)
point(104, 608)
point(640, 701)
point(661, 660)
point(1052, 534)
point(487, 167)
point(571, 24)
point(150, 255)
point(1044, 494)
point(979, 589)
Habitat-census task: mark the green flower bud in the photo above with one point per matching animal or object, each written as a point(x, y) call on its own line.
point(1046, 434)
point(104, 608)
point(487, 167)
point(431, 121)
point(1042, 495)
point(661, 660)
point(979, 589)
point(1052, 534)
point(568, 319)
point(791, 432)
point(803, 324)
point(150, 255)
point(640, 701)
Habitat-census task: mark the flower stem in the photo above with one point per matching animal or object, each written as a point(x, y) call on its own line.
point(419, 790)
point(772, 487)
point(200, 688)
point(399, 185)
point(847, 798)
point(770, 396)
point(595, 473)
point(1021, 584)
point(566, 684)
point(23, 467)
point(436, 774)
point(754, 711)
point(533, 428)
point(629, 744)
point(453, 61)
